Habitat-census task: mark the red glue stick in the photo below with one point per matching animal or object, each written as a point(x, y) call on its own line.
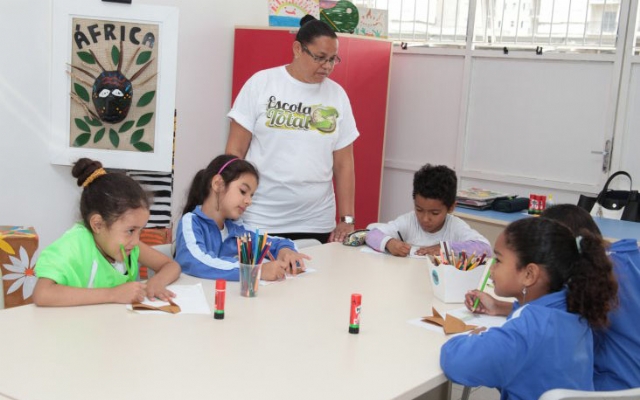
point(354, 319)
point(221, 286)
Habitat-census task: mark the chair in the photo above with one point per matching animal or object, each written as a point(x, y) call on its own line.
point(302, 243)
point(166, 249)
point(566, 394)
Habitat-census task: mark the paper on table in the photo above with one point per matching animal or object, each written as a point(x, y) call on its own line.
point(465, 316)
point(412, 253)
point(190, 298)
point(307, 271)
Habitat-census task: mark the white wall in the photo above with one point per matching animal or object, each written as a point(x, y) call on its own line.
point(487, 117)
point(37, 193)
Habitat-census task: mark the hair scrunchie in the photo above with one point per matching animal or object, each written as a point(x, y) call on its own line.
point(94, 175)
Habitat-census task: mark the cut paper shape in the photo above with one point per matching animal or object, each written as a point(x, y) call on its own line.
point(449, 323)
point(171, 308)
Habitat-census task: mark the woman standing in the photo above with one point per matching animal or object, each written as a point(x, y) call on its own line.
point(297, 127)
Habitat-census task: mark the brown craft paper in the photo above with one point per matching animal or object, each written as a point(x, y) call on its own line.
point(450, 323)
point(172, 308)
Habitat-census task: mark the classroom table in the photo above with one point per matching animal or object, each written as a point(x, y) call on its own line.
point(290, 342)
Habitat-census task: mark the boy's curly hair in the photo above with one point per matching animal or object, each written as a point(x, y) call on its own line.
point(437, 182)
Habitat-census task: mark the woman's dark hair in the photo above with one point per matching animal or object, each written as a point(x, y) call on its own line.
point(437, 182)
point(108, 194)
point(200, 187)
point(312, 28)
point(575, 218)
point(579, 263)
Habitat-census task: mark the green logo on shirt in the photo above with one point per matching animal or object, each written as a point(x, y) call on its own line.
point(283, 115)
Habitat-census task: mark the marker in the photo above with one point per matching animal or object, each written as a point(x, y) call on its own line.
point(221, 286)
point(487, 273)
point(354, 319)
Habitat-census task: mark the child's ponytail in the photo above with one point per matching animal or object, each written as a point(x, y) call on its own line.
point(197, 192)
point(592, 286)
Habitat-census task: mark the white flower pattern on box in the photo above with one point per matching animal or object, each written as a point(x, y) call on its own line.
point(22, 272)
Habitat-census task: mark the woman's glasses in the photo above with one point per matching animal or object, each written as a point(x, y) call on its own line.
point(322, 60)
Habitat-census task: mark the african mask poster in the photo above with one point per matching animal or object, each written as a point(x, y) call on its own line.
point(114, 77)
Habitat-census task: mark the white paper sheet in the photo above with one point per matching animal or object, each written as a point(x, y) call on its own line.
point(190, 298)
point(466, 316)
point(412, 253)
point(307, 271)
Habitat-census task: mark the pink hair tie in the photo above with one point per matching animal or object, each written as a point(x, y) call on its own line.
point(227, 163)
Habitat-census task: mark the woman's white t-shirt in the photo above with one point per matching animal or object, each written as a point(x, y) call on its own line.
point(295, 128)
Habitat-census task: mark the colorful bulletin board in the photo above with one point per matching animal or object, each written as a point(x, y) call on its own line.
point(363, 73)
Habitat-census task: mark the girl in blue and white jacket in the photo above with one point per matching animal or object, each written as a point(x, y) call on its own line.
point(564, 287)
point(206, 244)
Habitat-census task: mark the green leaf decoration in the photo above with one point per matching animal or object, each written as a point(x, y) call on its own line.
point(126, 126)
point(142, 146)
point(143, 57)
point(98, 136)
point(342, 17)
point(82, 125)
point(115, 55)
point(114, 138)
point(146, 98)
point(92, 121)
point(144, 119)
point(86, 57)
point(137, 136)
point(82, 139)
point(81, 92)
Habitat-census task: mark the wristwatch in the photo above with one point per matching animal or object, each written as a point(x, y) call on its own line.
point(349, 219)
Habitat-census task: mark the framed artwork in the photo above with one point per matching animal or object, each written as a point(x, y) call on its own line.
point(113, 84)
point(290, 12)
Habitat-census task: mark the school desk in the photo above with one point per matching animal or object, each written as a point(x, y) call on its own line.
point(491, 223)
point(290, 342)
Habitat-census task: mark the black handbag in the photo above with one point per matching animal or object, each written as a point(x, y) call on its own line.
point(616, 204)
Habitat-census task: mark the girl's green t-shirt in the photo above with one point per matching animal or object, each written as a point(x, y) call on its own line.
point(74, 260)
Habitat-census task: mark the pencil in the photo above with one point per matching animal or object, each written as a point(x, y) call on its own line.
point(487, 273)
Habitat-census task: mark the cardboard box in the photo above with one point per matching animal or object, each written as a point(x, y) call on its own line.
point(18, 244)
point(450, 284)
point(153, 237)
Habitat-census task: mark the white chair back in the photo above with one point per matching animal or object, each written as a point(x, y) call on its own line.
point(566, 394)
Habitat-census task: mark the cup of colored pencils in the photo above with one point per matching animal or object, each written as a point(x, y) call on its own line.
point(252, 250)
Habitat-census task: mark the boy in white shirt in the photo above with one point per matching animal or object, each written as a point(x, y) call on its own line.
point(434, 197)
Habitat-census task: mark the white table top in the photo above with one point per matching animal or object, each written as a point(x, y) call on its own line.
point(290, 340)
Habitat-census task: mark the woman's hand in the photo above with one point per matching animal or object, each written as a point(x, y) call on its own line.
point(341, 231)
point(293, 261)
point(273, 271)
point(130, 292)
point(398, 248)
point(429, 250)
point(157, 290)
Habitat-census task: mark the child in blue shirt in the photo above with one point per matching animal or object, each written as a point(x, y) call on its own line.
point(206, 244)
point(617, 347)
point(431, 222)
point(564, 286)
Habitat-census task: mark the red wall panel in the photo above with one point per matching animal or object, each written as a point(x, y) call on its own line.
point(364, 75)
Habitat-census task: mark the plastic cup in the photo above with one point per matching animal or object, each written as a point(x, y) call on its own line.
point(249, 279)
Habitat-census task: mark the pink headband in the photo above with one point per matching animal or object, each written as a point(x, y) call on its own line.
point(227, 163)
